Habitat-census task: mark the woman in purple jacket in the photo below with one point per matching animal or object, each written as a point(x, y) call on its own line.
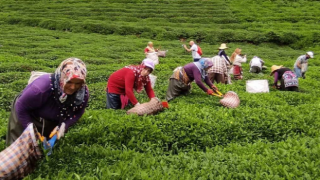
point(183, 76)
point(52, 101)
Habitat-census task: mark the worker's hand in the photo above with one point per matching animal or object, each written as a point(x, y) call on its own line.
point(155, 98)
point(137, 104)
point(214, 88)
point(210, 91)
point(61, 131)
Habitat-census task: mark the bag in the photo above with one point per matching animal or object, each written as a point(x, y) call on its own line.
point(257, 86)
point(304, 67)
point(35, 75)
point(199, 51)
point(154, 57)
point(20, 158)
point(290, 79)
point(230, 100)
point(161, 53)
point(153, 80)
point(149, 108)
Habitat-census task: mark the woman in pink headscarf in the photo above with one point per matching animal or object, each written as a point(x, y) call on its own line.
point(52, 101)
point(122, 83)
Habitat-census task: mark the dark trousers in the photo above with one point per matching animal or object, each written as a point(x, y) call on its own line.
point(219, 78)
point(255, 69)
point(176, 88)
point(113, 101)
point(196, 59)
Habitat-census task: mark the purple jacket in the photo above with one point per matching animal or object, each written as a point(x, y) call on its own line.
point(37, 100)
point(194, 74)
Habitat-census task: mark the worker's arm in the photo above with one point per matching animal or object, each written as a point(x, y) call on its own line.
point(299, 64)
point(185, 47)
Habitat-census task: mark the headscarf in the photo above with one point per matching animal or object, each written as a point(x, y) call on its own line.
point(140, 81)
point(70, 68)
point(234, 54)
point(202, 64)
point(151, 49)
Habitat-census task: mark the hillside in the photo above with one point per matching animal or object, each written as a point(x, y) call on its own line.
point(270, 136)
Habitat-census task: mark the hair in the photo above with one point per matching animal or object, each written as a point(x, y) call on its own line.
point(234, 54)
point(148, 68)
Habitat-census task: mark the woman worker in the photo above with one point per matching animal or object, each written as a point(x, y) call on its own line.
point(183, 76)
point(150, 48)
point(122, 83)
point(237, 60)
point(287, 78)
point(50, 101)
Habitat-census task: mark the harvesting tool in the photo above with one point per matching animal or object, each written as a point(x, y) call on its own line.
point(48, 144)
point(217, 93)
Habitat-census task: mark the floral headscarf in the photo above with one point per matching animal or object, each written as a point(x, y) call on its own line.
point(70, 68)
point(202, 64)
point(140, 81)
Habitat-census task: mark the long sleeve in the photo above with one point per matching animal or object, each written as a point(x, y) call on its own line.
point(208, 82)
point(198, 79)
point(149, 90)
point(78, 114)
point(276, 74)
point(129, 84)
point(238, 60)
point(32, 98)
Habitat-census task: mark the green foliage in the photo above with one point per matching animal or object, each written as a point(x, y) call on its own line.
point(290, 22)
point(270, 136)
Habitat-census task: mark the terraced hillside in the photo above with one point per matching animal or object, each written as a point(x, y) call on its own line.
point(270, 136)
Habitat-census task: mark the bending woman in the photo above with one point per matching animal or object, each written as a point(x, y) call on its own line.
point(122, 83)
point(288, 79)
point(51, 100)
point(183, 76)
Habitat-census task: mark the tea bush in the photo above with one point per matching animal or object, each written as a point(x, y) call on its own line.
point(273, 135)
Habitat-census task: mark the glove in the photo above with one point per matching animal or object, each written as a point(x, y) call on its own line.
point(137, 104)
point(214, 88)
point(61, 131)
point(210, 91)
point(54, 132)
point(276, 87)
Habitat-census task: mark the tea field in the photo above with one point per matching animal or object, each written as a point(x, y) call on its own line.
point(270, 136)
